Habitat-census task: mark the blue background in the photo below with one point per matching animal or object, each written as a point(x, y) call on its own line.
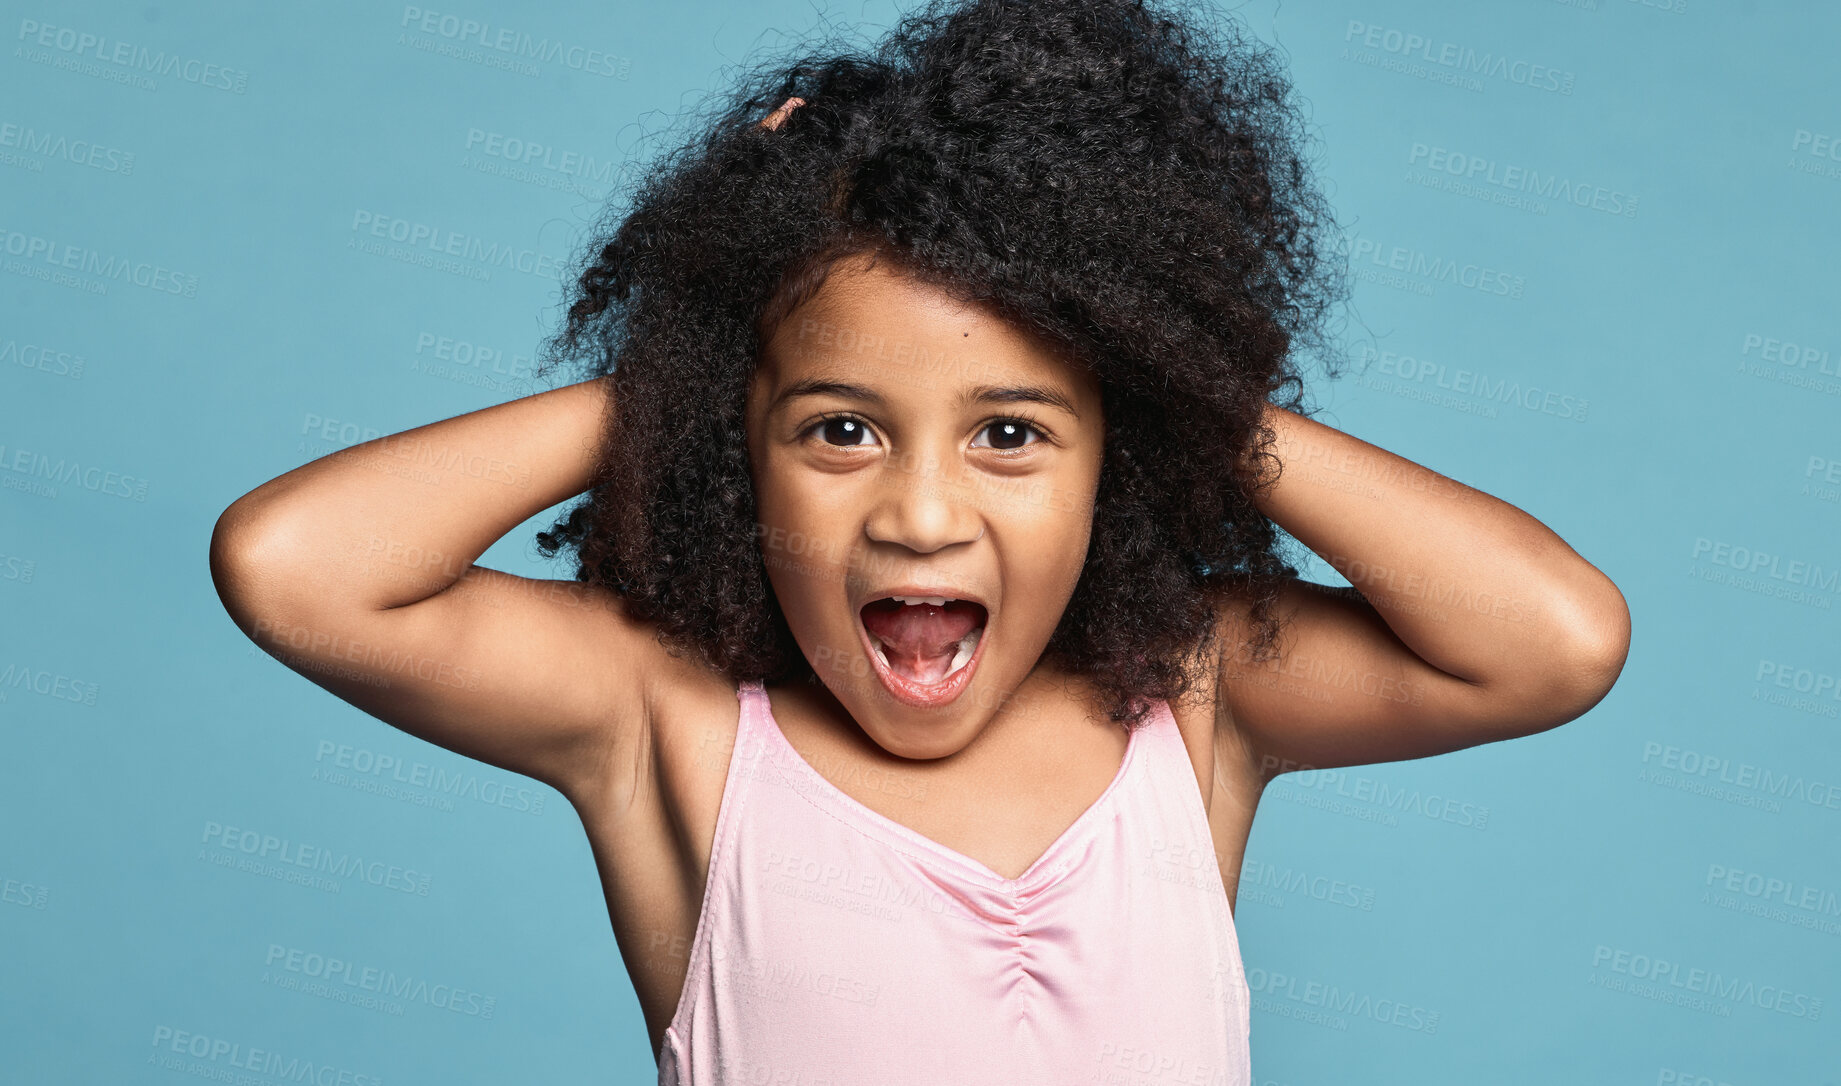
point(1631, 387)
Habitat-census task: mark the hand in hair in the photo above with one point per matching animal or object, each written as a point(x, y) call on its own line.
point(772, 120)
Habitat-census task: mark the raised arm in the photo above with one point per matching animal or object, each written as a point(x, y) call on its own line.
point(356, 570)
point(1468, 620)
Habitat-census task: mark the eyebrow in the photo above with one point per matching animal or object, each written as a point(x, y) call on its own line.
point(819, 386)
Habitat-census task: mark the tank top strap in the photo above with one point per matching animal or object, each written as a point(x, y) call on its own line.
point(744, 761)
point(1181, 849)
point(1181, 768)
point(747, 729)
point(1162, 738)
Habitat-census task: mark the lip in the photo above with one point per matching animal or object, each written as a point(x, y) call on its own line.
point(922, 695)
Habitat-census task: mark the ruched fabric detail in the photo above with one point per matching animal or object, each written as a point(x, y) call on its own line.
point(836, 946)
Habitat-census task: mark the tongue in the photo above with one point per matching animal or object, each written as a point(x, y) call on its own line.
point(920, 639)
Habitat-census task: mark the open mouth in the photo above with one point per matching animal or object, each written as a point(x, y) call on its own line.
point(925, 647)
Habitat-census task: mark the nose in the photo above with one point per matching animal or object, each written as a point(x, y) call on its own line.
point(922, 511)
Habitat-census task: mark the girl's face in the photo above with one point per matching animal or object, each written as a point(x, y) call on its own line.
point(902, 445)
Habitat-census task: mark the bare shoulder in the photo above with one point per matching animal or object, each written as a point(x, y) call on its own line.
point(1225, 764)
point(684, 721)
point(692, 712)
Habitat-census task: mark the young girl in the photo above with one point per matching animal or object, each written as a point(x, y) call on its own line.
point(930, 646)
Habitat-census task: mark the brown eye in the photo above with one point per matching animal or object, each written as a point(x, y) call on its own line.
point(845, 430)
point(1011, 430)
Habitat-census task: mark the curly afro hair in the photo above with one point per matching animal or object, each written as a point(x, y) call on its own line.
point(1128, 183)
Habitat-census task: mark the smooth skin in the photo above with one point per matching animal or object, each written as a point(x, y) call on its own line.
point(1469, 621)
point(965, 457)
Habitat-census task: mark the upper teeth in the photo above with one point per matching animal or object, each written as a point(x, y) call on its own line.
point(937, 601)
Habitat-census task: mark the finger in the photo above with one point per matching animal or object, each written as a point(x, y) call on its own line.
point(773, 119)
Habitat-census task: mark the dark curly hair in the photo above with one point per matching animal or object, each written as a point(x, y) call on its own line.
point(1128, 183)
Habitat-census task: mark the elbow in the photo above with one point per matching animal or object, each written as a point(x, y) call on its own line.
point(233, 545)
point(245, 552)
point(1603, 644)
point(1597, 645)
point(1583, 654)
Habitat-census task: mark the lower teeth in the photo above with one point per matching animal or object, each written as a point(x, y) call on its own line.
point(967, 645)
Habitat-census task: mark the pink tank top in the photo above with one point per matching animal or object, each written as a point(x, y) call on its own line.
point(836, 947)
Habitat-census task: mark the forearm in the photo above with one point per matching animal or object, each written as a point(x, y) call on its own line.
point(1473, 585)
point(401, 518)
